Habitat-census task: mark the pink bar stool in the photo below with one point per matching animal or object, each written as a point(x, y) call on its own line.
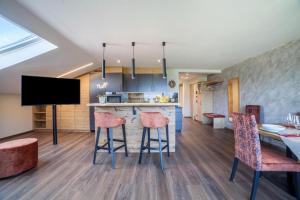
point(108, 121)
point(154, 120)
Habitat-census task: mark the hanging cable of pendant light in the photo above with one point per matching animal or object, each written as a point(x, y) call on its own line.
point(164, 63)
point(103, 61)
point(133, 61)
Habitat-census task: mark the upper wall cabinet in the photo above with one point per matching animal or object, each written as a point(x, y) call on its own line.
point(114, 82)
point(129, 85)
point(145, 82)
point(159, 83)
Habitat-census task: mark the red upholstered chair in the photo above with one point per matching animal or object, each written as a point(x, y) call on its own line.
point(17, 156)
point(154, 120)
point(250, 152)
point(108, 121)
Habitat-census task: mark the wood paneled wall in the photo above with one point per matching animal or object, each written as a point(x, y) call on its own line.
point(73, 117)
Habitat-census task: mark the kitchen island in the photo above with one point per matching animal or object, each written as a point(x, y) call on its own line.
point(131, 112)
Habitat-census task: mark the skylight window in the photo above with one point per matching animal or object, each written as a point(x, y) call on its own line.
point(18, 44)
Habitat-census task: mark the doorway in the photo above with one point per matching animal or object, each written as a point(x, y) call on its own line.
point(233, 95)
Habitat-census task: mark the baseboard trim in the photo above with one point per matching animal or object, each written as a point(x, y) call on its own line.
point(15, 135)
point(62, 130)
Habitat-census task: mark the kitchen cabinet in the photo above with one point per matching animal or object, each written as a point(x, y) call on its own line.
point(144, 82)
point(159, 83)
point(114, 82)
point(129, 85)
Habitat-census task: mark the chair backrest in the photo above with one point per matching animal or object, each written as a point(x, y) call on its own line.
point(153, 119)
point(247, 143)
point(254, 110)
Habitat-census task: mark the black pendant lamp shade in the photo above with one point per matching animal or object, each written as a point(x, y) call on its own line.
point(164, 61)
point(133, 61)
point(103, 61)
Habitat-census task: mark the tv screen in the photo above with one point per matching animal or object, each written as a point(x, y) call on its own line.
point(44, 90)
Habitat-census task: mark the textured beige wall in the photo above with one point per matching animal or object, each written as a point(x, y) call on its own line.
point(271, 80)
point(14, 118)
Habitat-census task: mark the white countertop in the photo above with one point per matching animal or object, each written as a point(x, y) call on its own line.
point(131, 104)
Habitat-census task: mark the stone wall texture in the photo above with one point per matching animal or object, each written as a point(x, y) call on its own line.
point(271, 80)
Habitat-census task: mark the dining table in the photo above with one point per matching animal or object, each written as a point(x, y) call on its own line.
point(290, 137)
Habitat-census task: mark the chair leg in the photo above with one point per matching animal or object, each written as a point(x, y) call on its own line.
point(108, 140)
point(111, 139)
point(160, 149)
point(297, 185)
point(96, 144)
point(149, 140)
point(167, 137)
point(255, 183)
point(124, 138)
point(234, 168)
point(142, 145)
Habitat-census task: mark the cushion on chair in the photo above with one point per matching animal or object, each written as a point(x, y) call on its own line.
point(273, 160)
point(153, 120)
point(107, 120)
point(17, 156)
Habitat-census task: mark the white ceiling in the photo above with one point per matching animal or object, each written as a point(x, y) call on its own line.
point(200, 34)
point(208, 34)
point(187, 76)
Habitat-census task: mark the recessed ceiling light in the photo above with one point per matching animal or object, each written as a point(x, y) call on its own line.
point(158, 60)
point(118, 61)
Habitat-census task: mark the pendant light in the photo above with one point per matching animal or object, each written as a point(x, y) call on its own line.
point(133, 61)
point(164, 61)
point(103, 61)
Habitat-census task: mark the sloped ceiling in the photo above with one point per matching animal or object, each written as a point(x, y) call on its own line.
point(208, 34)
point(53, 63)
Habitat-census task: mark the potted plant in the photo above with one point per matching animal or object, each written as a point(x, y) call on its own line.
point(101, 98)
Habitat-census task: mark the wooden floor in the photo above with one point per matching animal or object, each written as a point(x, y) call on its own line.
point(198, 170)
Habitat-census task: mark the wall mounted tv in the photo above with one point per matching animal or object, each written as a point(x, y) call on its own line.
point(49, 91)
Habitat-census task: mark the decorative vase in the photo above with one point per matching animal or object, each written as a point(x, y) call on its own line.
point(102, 99)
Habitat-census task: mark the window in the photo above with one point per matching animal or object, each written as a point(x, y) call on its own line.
point(18, 44)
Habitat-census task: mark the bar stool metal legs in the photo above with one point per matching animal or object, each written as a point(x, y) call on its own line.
point(96, 144)
point(124, 138)
point(142, 145)
point(110, 145)
point(167, 137)
point(149, 140)
point(108, 139)
point(159, 140)
point(160, 149)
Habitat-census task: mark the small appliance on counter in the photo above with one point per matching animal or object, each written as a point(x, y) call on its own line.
point(136, 97)
point(113, 97)
point(161, 99)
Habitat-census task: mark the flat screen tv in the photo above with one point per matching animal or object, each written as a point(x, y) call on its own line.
point(37, 90)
